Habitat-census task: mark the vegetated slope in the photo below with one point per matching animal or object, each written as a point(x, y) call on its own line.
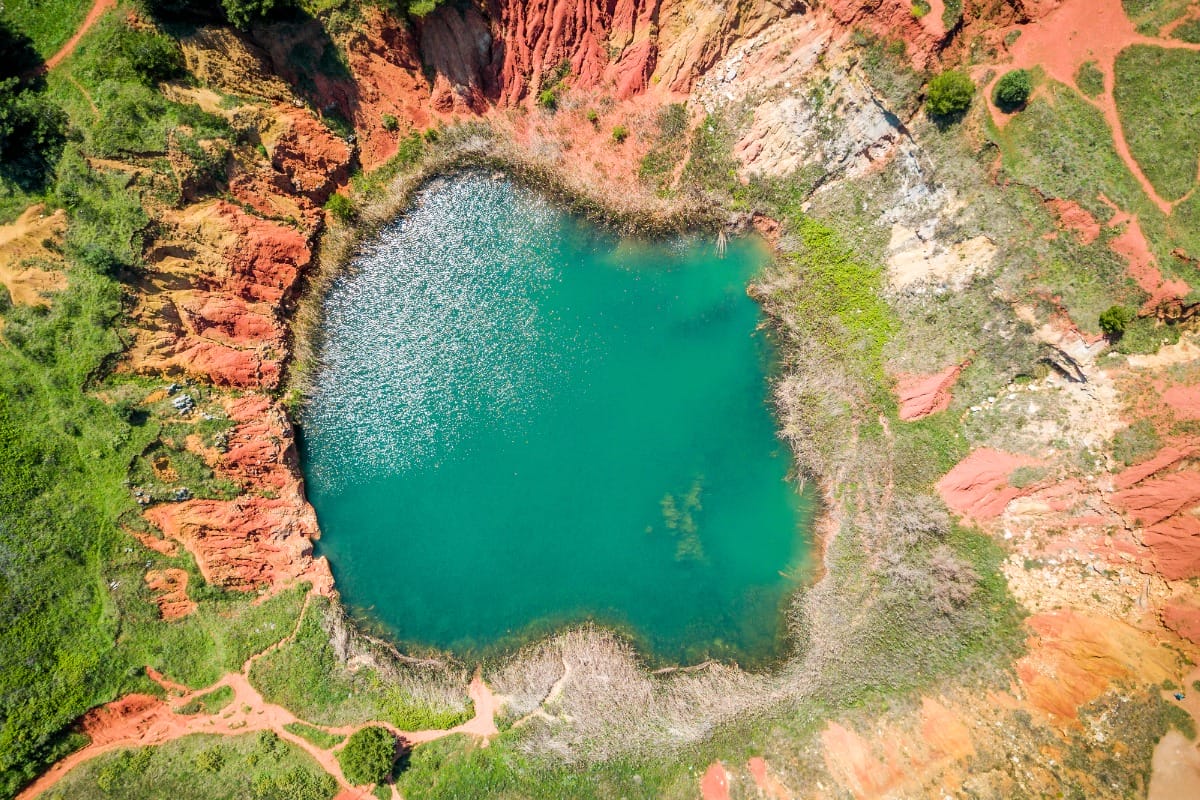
point(199, 203)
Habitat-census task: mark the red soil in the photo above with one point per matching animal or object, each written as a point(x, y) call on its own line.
point(1184, 401)
point(97, 10)
point(1184, 619)
point(768, 785)
point(141, 720)
point(978, 487)
point(1073, 658)
point(1074, 217)
point(1131, 245)
point(1166, 457)
point(922, 395)
point(1156, 499)
point(170, 593)
point(714, 785)
point(1175, 546)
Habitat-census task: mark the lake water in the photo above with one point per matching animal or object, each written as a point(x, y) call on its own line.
point(523, 421)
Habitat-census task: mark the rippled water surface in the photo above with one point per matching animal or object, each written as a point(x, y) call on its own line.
point(522, 421)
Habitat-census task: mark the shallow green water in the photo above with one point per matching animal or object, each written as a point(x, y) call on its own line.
point(522, 421)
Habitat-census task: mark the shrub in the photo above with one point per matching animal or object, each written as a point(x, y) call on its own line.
point(242, 13)
point(620, 134)
point(1114, 321)
point(920, 8)
point(341, 207)
point(949, 94)
point(592, 116)
point(548, 99)
point(210, 760)
point(368, 756)
point(390, 123)
point(1013, 89)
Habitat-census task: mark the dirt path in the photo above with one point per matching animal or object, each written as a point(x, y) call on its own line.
point(144, 720)
point(97, 10)
point(1076, 32)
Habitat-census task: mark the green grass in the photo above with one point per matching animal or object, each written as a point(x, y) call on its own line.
point(305, 676)
point(840, 296)
point(49, 23)
point(80, 624)
point(1188, 32)
point(1089, 79)
point(658, 165)
point(1136, 443)
point(1158, 97)
point(202, 767)
point(1146, 335)
point(315, 736)
point(210, 702)
point(456, 767)
point(1149, 16)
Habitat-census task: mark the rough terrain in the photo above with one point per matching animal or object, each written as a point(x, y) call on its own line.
point(1103, 557)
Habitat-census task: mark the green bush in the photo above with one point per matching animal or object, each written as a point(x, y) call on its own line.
point(390, 123)
point(1013, 89)
point(368, 756)
point(341, 207)
point(121, 53)
point(1114, 321)
point(949, 94)
point(243, 13)
point(620, 133)
point(210, 760)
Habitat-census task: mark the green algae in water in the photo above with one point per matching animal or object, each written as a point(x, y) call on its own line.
point(522, 421)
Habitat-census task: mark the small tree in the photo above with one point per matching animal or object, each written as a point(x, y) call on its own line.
point(949, 94)
point(1013, 89)
point(620, 134)
point(368, 756)
point(1114, 321)
point(341, 207)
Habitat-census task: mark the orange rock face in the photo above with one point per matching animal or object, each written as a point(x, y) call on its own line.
point(313, 160)
point(1184, 619)
point(978, 485)
point(1074, 657)
point(170, 590)
point(606, 44)
point(922, 395)
point(245, 543)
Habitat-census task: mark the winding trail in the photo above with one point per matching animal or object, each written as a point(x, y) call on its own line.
point(141, 720)
point(94, 13)
point(1076, 32)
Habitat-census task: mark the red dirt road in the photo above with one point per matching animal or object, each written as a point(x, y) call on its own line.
point(97, 10)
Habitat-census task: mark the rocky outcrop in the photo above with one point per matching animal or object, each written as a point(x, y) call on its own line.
point(222, 279)
point(313, 160)
point(1075, 657)
point(610, 45)
point(264, 537)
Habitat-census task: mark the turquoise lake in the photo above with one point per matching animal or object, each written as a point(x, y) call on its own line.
point(522, 421)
